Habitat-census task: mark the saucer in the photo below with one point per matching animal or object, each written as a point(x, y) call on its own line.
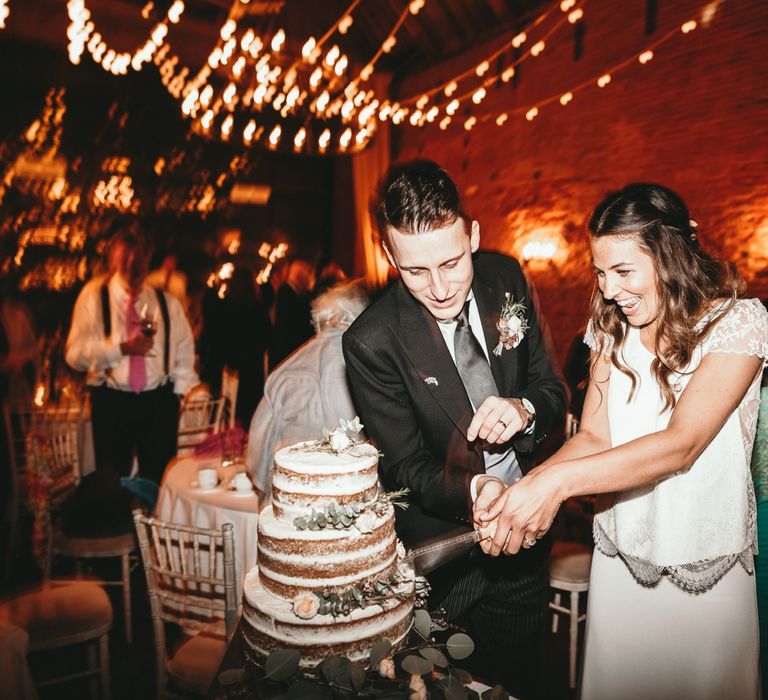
point(196, 486)
point(235, 492)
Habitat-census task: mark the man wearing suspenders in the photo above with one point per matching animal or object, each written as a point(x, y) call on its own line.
point(136, 345)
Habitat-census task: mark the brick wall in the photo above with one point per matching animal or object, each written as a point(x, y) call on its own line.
point(695, 118)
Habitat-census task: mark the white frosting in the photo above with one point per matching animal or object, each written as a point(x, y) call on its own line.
point(317, 463)
point(373, 621)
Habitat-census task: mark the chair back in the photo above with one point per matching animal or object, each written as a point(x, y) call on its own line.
point(198, 418)
point(45, 445)
point(190, 575)
point(230, 380)
point(52, 454)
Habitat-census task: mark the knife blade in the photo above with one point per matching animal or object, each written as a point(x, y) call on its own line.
point(437, 552)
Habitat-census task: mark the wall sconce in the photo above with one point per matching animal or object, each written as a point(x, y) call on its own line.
point(543, 247)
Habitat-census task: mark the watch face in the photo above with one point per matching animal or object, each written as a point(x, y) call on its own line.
point(529, 406)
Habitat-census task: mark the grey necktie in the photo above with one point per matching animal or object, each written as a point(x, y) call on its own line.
point(473, 367)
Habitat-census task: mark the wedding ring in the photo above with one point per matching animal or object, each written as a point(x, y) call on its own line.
point(503, 423)
point(529, 543)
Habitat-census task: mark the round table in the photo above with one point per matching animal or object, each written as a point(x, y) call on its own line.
point(181, 501)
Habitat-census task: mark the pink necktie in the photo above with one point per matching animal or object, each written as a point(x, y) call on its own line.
point(137, 372)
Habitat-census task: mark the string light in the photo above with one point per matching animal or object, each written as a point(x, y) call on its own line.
point(602, 80)
point(82, 33)
point(516, 42)
point(645, 57)
point(348, 102)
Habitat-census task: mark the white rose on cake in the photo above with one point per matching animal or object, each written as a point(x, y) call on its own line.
point(339, 440)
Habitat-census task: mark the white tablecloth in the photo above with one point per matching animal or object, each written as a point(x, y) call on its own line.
point(181, 501)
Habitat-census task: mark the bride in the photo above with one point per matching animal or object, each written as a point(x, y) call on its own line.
point(665, 438)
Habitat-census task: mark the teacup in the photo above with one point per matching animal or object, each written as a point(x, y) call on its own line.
point(242, 482)
point(207, 478)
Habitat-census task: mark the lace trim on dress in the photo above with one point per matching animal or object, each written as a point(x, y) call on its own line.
point(695, 577)
point(590, 339)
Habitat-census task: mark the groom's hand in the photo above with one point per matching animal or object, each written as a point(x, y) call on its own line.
point(496, 421)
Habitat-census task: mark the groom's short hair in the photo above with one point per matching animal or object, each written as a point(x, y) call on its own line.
point(415, 197)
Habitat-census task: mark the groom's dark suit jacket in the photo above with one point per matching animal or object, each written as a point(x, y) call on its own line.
point(414, 406)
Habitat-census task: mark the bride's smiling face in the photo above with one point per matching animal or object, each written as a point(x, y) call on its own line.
point(626, 277)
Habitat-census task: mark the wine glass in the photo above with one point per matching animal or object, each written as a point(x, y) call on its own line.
point(147, 319)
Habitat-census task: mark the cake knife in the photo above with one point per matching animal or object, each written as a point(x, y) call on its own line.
point(436, 552)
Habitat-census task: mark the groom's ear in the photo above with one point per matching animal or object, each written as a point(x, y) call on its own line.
point(388, 253)
point(474, 236)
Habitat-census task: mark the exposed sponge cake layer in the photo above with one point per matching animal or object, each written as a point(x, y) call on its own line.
point(304, 478)
point(291, 560)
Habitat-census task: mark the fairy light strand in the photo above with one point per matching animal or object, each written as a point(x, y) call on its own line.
point(478, 92)
point(604, 77)
point(512, 43)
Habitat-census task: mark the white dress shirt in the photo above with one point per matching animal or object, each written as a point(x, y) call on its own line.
point(504, 465)
point(89, 350)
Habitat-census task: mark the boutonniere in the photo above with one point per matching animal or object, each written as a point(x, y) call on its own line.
point(512, 324)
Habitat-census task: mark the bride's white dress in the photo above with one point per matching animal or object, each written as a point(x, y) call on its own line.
point(672, 610)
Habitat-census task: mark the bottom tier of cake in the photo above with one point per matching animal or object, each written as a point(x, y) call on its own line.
point(270, 623)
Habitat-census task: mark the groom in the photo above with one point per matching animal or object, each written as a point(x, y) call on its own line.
point(447, 404)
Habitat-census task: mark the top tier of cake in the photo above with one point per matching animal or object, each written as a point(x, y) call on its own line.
point(304, 478)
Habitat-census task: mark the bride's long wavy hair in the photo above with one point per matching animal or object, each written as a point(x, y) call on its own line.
point(689, 281)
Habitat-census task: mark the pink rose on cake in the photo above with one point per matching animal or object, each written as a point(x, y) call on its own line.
point(305, 605)
point(365, 522)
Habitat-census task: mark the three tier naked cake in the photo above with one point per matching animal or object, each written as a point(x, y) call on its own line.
point(331, 576)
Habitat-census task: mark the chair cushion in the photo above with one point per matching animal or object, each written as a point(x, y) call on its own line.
point(570, 562)
point(53, 615)
point(196, 660)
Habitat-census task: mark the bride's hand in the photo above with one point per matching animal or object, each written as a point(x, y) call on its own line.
point(523, 513)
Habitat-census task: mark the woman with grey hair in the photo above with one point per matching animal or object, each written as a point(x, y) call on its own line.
point(308, 390)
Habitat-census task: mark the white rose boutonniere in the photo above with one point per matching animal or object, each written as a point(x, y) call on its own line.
point(512, 324)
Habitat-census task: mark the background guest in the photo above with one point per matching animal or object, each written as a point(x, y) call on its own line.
point(292, 321)
point(307, 392)
point(136, 345)
point(247, 332)
point(170, 279)
point(328, 275)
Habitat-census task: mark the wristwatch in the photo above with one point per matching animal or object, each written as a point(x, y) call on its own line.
point(529, 408)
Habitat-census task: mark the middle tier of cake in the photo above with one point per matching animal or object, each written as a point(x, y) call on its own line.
point(292, 560)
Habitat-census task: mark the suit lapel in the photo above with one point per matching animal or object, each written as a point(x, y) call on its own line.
point(427, 352)
point(489, 301)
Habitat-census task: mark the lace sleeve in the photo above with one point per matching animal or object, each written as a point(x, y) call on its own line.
point(593, 342)
point(743, 330)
